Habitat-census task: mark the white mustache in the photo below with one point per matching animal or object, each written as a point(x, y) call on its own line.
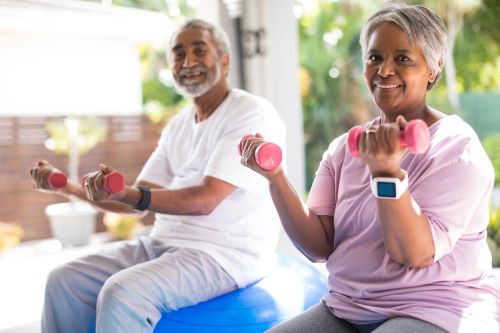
point(192, 70)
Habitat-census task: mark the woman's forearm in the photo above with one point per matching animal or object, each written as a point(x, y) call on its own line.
point(312, 236)
point(406, 231)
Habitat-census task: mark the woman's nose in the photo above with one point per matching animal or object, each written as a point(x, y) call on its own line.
point(386, 68)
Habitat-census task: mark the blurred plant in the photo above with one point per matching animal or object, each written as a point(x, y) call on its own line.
point(492, 146)
point(10, 235)
point(494, 235)
point(159, 97)
point(334, 96)
point(122, 226)
point(73, 137)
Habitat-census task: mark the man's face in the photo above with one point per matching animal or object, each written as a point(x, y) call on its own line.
point(196, 65)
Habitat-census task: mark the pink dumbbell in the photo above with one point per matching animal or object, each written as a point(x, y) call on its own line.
point(113, 182)
point(267, 155)
point(415, 136)
point(57, 179)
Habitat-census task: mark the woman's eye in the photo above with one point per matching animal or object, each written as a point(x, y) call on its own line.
point(403, 58)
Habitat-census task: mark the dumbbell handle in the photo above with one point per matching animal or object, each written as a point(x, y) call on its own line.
point(415, 136)
point(57, 179)
point(113, 182)
point(267, 155)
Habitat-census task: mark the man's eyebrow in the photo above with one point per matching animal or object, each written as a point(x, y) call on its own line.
point(199, 42)
point(194, 43)
point(177, 47)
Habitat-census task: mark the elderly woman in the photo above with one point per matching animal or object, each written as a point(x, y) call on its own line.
point(414, 260)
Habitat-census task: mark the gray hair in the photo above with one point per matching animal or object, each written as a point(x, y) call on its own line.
point(219, 35)
point(420, 24)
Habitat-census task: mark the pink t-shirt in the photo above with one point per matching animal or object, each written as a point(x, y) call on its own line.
point(451, 182)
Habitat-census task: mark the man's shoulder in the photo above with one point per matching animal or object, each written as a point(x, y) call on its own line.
point(244, 97)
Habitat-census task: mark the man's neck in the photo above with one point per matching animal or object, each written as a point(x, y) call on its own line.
point(206, 104)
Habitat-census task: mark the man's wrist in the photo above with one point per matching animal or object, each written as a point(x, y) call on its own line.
point(144, 199)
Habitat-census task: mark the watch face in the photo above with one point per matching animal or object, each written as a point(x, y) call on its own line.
point(386, 189)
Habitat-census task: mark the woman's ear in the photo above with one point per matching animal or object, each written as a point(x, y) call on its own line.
point(433, 75)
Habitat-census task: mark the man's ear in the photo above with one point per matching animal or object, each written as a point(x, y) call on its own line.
point(225, 64)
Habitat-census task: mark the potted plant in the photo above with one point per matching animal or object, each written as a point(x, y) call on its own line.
point(10, 235)
point(122, 226)
point(73, 222)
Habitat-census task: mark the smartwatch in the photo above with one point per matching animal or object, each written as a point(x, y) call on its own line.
point(145, 200)
point(389, 188)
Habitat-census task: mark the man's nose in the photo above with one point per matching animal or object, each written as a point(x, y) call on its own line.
point(190, 60)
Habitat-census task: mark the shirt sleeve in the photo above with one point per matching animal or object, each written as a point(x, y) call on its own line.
point(322, 197)
point(455, 200)
point(225, 160)
point(157, 169)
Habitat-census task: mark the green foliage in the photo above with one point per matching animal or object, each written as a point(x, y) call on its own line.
point(333, 91)
point(89, 133)
point(494, 235)
point(491, 145)
point(160, 99)
point(477, 49)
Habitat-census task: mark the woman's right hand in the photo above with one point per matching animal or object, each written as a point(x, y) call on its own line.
point(39, 174)
point(248, 147)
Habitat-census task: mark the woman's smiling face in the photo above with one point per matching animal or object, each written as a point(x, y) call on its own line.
point(396, 71)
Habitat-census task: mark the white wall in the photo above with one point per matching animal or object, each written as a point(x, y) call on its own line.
point(55, 74)
point(64, 57)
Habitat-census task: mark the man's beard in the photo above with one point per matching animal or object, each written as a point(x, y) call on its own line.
point(191, 90)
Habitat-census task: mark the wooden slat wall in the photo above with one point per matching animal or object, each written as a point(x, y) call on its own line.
point(130, 140)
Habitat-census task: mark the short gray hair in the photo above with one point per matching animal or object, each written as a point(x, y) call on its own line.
point(420, 24)
point(219, 35)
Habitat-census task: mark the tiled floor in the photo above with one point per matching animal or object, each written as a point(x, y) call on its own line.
point(24, 270)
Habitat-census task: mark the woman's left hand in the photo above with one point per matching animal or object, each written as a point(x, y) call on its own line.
point(379, 146)
point(249, 146)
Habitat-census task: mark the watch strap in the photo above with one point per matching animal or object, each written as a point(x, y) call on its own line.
point(389, 188)
point(145, 200)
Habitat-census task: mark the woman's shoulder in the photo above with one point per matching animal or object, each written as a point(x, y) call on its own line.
point(453, 131)
point(453, 140)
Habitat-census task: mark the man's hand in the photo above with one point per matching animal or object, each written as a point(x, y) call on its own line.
point(39, 173)
point(94, 185)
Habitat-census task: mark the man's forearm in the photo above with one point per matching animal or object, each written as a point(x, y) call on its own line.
point(73, 190)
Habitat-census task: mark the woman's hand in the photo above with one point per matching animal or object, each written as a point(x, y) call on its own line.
point(39, 174)
point(249, 146)
point(93, 184)
point(379, 147)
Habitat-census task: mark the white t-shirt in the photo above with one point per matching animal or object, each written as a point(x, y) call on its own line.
point(242, 231)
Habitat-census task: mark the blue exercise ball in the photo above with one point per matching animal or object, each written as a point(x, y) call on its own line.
point(292, 287)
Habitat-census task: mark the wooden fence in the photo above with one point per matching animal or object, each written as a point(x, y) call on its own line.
point(129, 142)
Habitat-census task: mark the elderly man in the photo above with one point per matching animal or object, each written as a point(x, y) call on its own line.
point(216, 228)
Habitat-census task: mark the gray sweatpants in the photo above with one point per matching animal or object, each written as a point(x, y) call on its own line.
point(126, 287)
point(319, 319)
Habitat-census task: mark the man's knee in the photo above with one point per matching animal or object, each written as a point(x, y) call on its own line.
point(61, 277)
point(112, 292)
